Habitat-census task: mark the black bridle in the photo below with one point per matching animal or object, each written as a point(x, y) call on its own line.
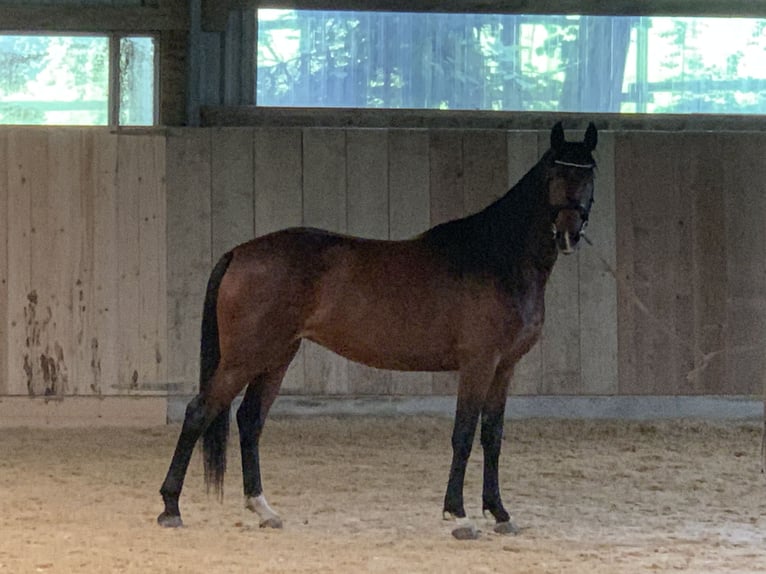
point(571, 205)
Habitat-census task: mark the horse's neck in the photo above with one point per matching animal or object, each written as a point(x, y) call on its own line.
point(523, 215)
point(510, 240)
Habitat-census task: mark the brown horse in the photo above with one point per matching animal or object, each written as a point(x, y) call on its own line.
point(467, 296)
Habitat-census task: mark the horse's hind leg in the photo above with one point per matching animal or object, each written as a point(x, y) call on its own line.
point(251, 417)
point(202, 415)
point(199, 414)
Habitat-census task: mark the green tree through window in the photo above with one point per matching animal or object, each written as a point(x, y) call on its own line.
point(511, 62)
point(64, 80)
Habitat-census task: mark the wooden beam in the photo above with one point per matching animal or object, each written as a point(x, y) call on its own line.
point(173, 80)
point(469, 119)
point(215, 12)
point(168, 15)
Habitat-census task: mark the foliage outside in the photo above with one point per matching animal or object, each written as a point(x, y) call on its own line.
point(511, 62)
point(64, 80)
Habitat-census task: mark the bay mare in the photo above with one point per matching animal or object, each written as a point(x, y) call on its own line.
point(466, 296)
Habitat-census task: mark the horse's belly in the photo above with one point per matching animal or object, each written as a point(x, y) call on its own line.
point(387, 348)
point(387, 306)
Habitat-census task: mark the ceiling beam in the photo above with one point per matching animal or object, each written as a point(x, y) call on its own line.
point(215, 12)
point(167, 15)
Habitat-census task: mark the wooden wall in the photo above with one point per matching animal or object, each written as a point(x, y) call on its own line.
point(83, 300)
point(692, 306)
point(107, 241)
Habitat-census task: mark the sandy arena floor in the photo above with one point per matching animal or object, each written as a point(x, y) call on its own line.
point(364, 495)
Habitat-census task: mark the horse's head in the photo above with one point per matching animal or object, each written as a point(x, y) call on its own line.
point(570, 186)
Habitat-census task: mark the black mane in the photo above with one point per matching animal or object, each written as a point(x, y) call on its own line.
point(495, 241)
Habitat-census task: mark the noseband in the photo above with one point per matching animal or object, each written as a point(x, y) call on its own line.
point(583, 209)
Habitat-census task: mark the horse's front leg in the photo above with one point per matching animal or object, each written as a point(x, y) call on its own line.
point(472, 389)
point(492, 418)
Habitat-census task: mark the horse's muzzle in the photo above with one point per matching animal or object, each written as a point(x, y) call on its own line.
point(566, 242)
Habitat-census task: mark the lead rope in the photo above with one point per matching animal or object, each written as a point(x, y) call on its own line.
point(701, 360)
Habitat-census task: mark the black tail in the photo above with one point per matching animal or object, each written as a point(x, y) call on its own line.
point(217, 433)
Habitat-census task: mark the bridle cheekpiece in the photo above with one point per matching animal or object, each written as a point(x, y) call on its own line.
point(584, 210)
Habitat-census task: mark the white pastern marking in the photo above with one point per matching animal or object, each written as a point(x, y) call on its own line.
point(259, 505)
point(464, 521)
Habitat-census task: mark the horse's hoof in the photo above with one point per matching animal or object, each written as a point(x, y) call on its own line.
point(467, 532)
point(506, 528)
point(273, 522)
point(169, 520)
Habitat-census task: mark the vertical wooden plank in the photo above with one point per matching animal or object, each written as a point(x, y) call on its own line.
point(630, 155)
point(4, 224)
point(597, 282)
point(409, 214)
point(367, 213)
point(367, 175)
point(446, 194)
point(675, 267)
point(657, 284)
point(560, 341)
point(485, 167)
point(152, 266)
point(38, 313)
point(162, 256)
point(324, 206)
point(232, 188)
point(79, 260)
point(627, 368)
point(522, 156)
point(130, 174)
point(54, 223)
point(408, 182)
point(52, 261)
point(189, 242)
point(705, 180)
point(745, 208)
point(278, 179)
point(279, 204)
point(67, 146)
point(447, 202)
point(682, 307)
point(27, 172)
point(83, 266)
point(103, 312)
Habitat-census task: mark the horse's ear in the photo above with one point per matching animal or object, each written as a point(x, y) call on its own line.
point(591, 137)
point(557, 137)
